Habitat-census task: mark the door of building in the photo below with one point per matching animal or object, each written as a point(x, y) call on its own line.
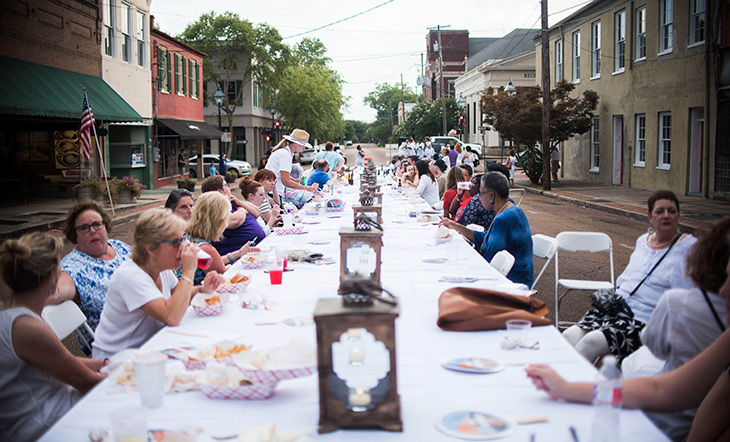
point(697, 124)
point(618, 150)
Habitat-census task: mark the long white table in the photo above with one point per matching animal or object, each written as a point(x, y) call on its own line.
point(427, 390)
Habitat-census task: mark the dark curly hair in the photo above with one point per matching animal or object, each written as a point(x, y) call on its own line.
point(69, 229)
point(662, 195)
point(707, 262)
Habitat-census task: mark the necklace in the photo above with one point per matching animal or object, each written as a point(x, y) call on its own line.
point(653, 242)
point(504, 206)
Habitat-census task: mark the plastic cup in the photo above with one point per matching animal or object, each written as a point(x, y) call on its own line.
point(287, 219)
point(204, 260)
point(149, 371)
point(276, 271)
point(282, 252)
point(129, 424)
point(270, 299)
point(517, 332)
point(452, 252)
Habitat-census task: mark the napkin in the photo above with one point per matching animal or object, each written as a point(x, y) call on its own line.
point(295, 353)
point(179, 379)
point(267, 433)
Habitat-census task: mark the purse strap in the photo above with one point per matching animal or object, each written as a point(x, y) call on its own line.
point(657, 264)
point(712, 309)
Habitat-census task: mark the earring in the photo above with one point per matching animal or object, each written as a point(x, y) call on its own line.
point(491, 202)
point(154, 256)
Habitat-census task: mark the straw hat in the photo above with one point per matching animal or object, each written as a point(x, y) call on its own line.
point(299, 136)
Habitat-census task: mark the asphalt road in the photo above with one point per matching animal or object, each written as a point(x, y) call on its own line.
point(549, 217)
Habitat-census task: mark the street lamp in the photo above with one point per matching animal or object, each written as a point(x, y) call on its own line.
point(272, 111)
point(219, 96)
point(510, 88)
point(461, 103)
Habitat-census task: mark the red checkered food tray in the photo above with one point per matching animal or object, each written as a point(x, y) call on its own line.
point(251, 392)
point(293, 230)
point(252, 261)
point(274, 376)
point(236, 287)
point(209, 304)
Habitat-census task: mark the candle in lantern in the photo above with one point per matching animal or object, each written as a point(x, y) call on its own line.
point(353, 334)
point(359, 400)
point(356, 357)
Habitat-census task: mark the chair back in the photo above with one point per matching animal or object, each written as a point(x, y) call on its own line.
point(543, 247)
point(517, 195)
point(503, 262)
point(65, 318)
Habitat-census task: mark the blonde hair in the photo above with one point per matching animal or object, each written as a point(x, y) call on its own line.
point(29, 261)
point(282, 143)
point(152, 227)
point(209, 217)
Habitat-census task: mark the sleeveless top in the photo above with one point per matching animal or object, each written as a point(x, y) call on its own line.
point(31, 400)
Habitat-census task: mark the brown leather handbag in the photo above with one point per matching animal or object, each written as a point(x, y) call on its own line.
point(470, 309)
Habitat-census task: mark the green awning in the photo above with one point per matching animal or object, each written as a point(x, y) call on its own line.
point(42, 91)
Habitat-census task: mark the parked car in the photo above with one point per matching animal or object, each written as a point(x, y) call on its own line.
point(439, 142)
point(240, 167)
point(307, 156)
point(348, 143)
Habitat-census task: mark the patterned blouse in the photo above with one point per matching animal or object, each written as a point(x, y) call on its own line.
point(199, 273)
point(475, 213)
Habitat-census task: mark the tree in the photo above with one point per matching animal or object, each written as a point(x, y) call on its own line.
point(239, 53)
point(310, 93)
point(425, 119)
point(517, 116)
point(384, 99)
point(355, 130)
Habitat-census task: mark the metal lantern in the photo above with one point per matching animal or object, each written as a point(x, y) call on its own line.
point(357, 366)
point(374, 211)
point(366, 199)
point(361, 252)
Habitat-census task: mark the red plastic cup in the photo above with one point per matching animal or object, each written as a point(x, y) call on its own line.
point(276, 271)
point(204, 260)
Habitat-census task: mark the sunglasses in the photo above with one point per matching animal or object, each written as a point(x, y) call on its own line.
point(84, 228)
point(175, 243)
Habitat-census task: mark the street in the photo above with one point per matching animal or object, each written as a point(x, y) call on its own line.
point(546, 216)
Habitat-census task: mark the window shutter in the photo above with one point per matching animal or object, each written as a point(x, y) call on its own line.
point(191, 91)
point(160, 83)
point(197, 79)
point(177, 73)
point(168, 77)
point(183, 63)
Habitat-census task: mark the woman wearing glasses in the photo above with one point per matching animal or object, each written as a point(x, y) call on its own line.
point(144, 294)
point(87, 269)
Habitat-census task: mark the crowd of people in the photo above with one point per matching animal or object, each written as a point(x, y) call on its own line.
point(673, 345)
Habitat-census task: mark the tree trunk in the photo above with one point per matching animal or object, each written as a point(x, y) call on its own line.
point(545, 41)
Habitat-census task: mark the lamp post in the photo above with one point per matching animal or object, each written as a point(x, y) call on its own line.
point(460, 103)
point(272, 111)
point(510, 90)
point(219, 96)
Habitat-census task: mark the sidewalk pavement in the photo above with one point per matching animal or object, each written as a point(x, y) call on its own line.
point(697, 213)
point(43, 214)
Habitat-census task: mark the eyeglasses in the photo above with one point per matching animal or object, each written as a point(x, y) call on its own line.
point(84, 228)
point(175, 243)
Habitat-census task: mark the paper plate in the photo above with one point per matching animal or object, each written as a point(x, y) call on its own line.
point(458, 279)
point(474, 425)
point(298, 321)
point(474, 365)
point(435, 260)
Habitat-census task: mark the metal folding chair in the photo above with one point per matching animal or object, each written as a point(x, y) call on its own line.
point(543, 247)
point(66, 318)
point(503, 262)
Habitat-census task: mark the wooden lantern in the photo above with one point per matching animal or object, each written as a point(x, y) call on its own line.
point(357, 368)
point(360, 253)
point(375, 209)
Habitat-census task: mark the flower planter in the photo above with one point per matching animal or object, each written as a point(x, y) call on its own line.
point(84, 194)
point(191, 187)
point(125, 197)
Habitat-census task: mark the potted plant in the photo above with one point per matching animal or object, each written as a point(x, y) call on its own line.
point(191, 182)
point(95, 188)
point(182, 183)
point(128, 189)
point(231, 177)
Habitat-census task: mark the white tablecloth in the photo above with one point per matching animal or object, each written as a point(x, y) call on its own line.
point(427, 390)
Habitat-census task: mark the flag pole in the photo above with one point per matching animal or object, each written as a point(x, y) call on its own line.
point(101, 159)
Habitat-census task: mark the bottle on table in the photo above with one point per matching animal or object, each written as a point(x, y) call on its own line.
point(607, 400)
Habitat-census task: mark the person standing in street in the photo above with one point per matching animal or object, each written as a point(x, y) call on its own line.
point(428, 151)
point(511, 166)
point(181, 161)
point(222, 165)
point(359, 157)
point(555, 163)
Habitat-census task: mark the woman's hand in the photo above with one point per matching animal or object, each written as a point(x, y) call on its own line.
point(547, 380)
point(448, 224)
point(211, 282)
point(189, 258)
point(247, 248)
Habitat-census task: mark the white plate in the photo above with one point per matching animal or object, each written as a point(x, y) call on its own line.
point(474, 425)
point(474, 365)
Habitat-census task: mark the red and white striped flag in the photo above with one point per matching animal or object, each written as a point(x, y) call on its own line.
point(87, 120)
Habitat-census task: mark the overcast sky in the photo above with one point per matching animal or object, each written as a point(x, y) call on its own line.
point(383, 40)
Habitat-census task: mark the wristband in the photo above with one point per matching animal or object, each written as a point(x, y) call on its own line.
point(185, 278)
point(230, 258)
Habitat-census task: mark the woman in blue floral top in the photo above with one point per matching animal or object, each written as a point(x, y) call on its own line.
point(87, 269)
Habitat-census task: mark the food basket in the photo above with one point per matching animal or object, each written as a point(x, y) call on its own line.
point(209, 304)
point(252, 261)
point(250, 392)
point(274, 376)
point(236, 287)
point(293, 230)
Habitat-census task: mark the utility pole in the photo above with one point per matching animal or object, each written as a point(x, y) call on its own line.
point(441, 78)
point(545, 42)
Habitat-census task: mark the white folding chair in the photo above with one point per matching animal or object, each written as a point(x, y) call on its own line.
point(517, 195)
point(543, 247)
point(594, 242)
point(503, 262)
point(66, 318)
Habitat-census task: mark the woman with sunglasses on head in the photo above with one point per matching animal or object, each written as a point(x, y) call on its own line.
point(87, 269)
point(144, 293)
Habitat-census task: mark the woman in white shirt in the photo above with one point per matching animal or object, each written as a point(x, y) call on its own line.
point(280, 162)
point(39, 379)
point(427, 188)
point(144, 294)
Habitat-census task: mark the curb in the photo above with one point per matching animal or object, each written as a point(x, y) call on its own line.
point(686, 227)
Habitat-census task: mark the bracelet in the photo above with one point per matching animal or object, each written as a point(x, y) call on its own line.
point(185, 278)
point(230, 258)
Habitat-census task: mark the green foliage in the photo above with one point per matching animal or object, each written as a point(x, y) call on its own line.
point(355, 131)
point(384, 99)
point(425, 119)
point(129, 183)
point(517, 116)
point(238, 51)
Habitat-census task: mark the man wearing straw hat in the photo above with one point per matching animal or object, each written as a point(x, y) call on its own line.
point(280, 162)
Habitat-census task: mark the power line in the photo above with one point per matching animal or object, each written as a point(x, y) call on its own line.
point(339, 21)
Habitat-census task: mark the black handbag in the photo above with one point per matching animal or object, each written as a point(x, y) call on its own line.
point(609, 303)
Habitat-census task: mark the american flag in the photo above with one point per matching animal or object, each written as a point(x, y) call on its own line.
point(87, 120)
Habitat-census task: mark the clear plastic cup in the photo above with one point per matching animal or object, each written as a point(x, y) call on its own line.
point(149, 372)
point(517, 332)
point(129, 424)
point(276, 271)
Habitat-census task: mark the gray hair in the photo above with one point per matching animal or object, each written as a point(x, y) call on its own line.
point(496, 182)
